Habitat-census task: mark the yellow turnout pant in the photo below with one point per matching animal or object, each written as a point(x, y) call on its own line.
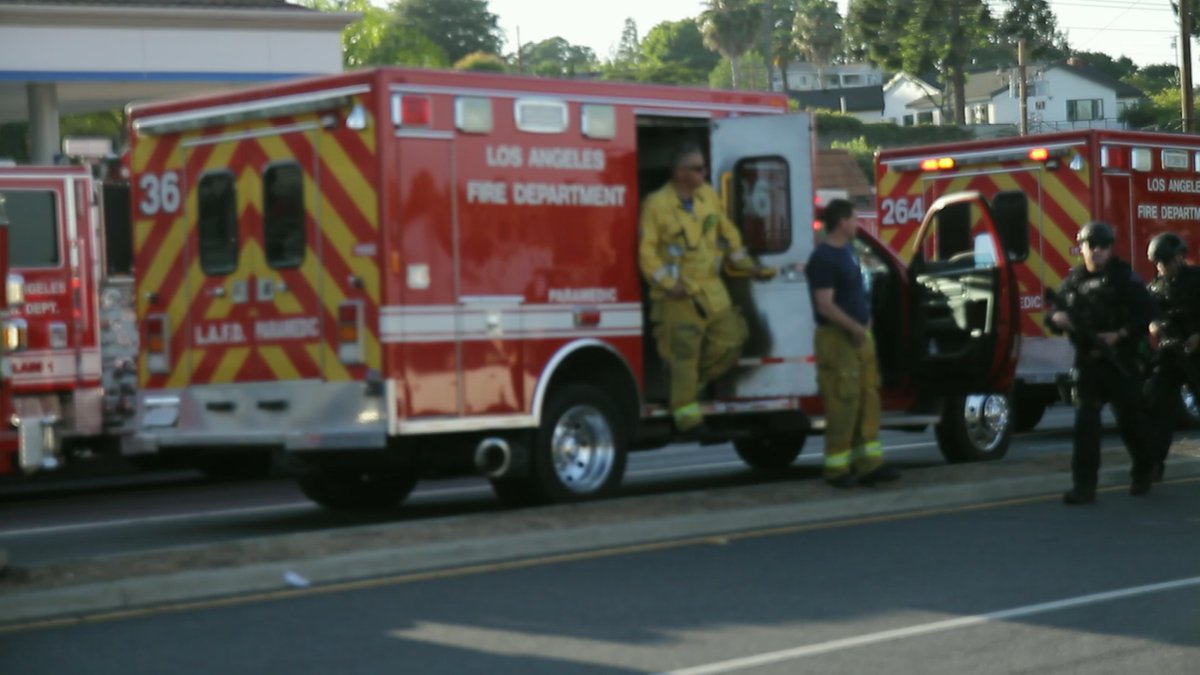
point(697, 350)
point(849, 380)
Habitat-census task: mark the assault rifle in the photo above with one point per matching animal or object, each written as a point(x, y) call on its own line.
point(1087, 338)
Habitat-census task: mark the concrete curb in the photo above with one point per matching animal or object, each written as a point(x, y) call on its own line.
point(195, 585)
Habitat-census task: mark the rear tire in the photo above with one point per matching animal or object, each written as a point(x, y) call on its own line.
point(974, 428)
point(353, 489)
point(770, 453)
point(579, 451)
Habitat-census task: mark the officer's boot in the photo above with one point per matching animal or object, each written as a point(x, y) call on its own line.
point(1078, 495)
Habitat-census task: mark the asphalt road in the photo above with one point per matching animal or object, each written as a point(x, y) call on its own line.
point(1028, 587)
point(60, 521)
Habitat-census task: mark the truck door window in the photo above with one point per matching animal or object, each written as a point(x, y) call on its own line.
point(283, 216)
point(762, 204)
point(218, 224)
point(960, 239)
point(33, 227)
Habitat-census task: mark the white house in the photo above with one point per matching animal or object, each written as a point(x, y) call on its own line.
point(802, 76)
point(1062, 95)
point(902, 92)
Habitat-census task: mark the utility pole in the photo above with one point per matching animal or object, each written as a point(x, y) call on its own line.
point(520, 68)
point(1185, 70)
point(1022, 91)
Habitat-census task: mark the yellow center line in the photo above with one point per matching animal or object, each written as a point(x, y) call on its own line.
point(525, 563)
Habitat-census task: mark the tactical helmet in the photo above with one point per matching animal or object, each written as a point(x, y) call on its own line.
point(1096, 232)
point(1166, 247)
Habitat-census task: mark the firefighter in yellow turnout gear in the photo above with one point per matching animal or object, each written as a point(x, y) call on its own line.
point(685, 239)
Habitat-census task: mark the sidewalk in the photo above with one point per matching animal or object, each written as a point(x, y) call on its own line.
point(278, 563)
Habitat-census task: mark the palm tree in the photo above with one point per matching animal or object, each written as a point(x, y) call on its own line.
point(818, 34)
point(731, 27)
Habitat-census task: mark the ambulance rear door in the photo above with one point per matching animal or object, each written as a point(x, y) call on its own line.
point(763, 166)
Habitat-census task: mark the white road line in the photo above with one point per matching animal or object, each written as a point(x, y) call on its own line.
point(794, 653)
point(155, 519)
point(419, 494)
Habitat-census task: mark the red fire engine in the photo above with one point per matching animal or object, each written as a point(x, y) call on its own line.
point(27, 444)
point(70, 234)
point(387, 272)
point(1141, 183)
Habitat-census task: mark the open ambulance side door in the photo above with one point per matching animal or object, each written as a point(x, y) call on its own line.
point(964, 296)
point(763, 165)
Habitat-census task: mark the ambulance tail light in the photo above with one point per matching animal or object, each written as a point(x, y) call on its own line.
point(1039, 154)
point(350, 332)
point(14, 334)
point(158, 339)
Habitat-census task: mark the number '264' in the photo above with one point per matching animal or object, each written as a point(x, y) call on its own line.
point(901, 210)
point(160, 193)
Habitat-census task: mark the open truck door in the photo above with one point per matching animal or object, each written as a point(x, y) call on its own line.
point(965, 326)
point(965, 320)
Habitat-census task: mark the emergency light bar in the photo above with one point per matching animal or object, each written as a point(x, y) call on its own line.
point(295, 104)
point(1044, 154)
point(937, 163)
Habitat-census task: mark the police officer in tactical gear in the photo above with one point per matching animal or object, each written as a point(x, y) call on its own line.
point(1105, 309)
point(1176, 330)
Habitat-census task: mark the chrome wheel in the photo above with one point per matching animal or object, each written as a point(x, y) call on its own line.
point(986, 420)
point(583, 449)
point(1191, 407)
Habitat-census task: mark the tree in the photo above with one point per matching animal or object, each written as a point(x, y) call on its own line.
point(731, 27)
point(753, 75)
point(1155, 77)
point(405, 45)
point(459, 27)
point(556, 57)
point(1034, 21)
point(775, 36)
point(360, 40)
point(944, 34)
point(1115, 68)
point(921, 35)
point(783, 51)
point(874, 29)
point(817, 33)
point(676, 49)
point(629, 49)
point(486, 62)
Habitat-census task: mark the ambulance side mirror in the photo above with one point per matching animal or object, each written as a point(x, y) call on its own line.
point(1010, 213)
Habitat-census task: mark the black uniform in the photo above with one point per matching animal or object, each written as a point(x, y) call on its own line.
point(1111, 300)
point(1177, 304)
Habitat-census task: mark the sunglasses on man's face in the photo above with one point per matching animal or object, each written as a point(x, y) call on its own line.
point(1098, 244)
point(695, 168)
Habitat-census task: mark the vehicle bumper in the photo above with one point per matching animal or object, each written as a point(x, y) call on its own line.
point(295, 416)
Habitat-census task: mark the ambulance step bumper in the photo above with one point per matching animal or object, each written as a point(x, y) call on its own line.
point(294, 416)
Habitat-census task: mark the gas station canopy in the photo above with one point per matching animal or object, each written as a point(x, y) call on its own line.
point(75, 56)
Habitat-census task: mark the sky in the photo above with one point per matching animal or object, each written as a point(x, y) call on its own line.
point(1139, 29)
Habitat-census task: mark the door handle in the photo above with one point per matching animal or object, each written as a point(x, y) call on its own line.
point(218, 292)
